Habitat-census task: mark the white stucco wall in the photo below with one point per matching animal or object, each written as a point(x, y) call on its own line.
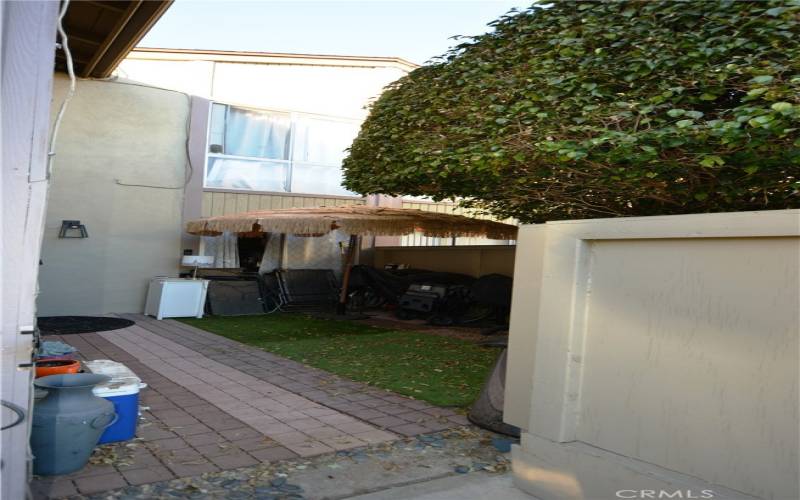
point(658, 353)
point(114, 133)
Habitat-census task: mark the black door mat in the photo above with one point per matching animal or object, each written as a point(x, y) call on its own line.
point(66, 325)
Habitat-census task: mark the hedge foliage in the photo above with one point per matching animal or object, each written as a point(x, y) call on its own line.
point(599, 109)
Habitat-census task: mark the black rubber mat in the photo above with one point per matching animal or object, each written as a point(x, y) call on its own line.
point(66, 325)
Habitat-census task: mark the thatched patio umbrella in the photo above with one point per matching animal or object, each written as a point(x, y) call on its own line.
point(353, 220)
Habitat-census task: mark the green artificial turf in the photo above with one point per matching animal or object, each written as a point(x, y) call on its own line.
point(441, 370)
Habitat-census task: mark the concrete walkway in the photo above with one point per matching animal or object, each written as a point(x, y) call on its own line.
point(454, 488)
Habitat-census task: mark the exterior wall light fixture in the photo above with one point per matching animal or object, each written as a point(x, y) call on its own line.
point(72, 229)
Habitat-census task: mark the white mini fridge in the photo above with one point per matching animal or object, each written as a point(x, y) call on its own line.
point(176, 298)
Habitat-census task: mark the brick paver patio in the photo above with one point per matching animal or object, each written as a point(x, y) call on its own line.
point(378, 407)
point(216, 404)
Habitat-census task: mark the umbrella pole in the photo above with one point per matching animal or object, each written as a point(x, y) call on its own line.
point(341, 307)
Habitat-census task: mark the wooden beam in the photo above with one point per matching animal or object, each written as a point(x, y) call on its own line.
point(75, 58)
point(147, 14)
point(110, 38)
point(82, 36)
point(112, 6)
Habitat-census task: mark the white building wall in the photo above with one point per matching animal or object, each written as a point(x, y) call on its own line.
point(658, 353)
point(192, 77)
point(338, 87)
point(27, 37)
point(337, 90)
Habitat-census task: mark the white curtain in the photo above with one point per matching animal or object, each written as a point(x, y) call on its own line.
point(265, 139)
point(257, 134)
point(322, 141)
point(224, 248)
point(246, 174)
point(320, 252)
point(271, 259)
point(318, 151)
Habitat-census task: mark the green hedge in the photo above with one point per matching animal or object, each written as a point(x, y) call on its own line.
point(599, 109)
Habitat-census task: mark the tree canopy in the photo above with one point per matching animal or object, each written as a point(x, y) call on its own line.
point(599, 109)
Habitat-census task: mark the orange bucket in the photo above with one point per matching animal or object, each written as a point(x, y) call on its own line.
point(57, 367)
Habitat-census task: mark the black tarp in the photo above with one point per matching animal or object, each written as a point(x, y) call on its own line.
point(493, 290)
point(391, 285)
point(487, 411)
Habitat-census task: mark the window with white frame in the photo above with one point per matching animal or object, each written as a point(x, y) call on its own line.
point(283, 152)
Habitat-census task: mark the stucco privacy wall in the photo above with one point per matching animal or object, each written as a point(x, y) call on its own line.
point(114, 133)
point(657, 353)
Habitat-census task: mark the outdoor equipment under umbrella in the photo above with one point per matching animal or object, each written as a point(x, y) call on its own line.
point(353, 220)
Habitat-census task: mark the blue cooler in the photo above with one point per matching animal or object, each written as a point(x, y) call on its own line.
point(123, 391)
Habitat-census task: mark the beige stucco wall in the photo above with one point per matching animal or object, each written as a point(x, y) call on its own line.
point(657, 353)
point(114, 133)
point(472, 260)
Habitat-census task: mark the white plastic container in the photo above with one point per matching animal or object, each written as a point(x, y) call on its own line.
point(113, 369)
point(176, 298)
point(123, 391)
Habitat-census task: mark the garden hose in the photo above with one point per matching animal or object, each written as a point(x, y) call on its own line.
point(16, 409)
